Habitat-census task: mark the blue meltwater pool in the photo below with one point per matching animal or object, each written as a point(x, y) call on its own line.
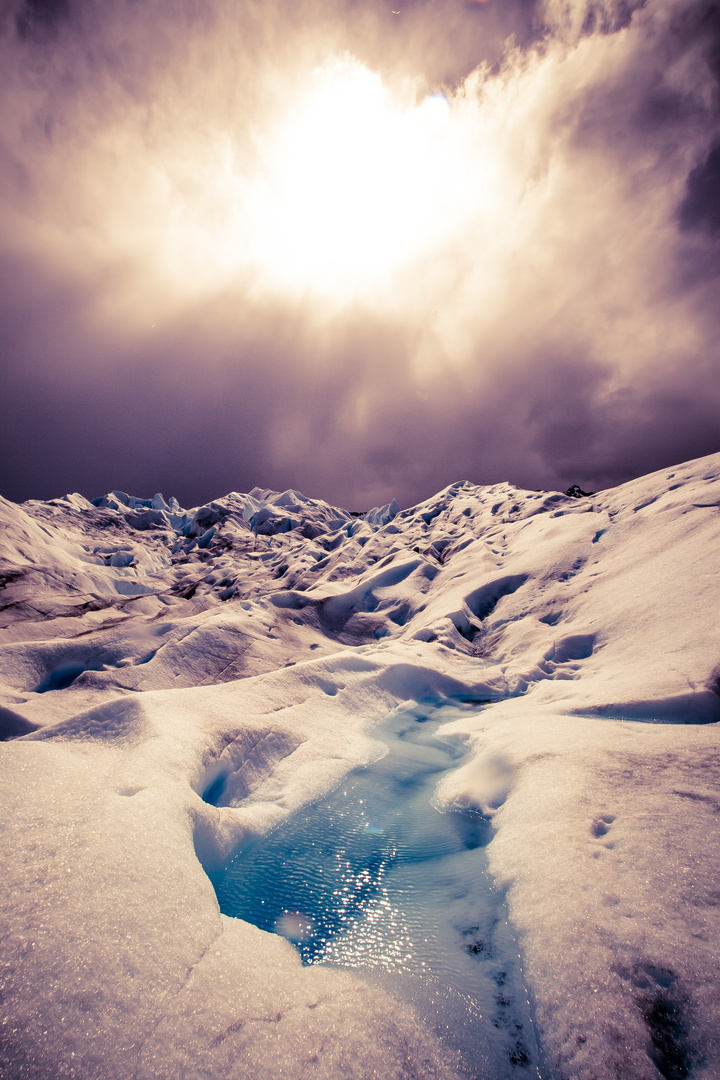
point(374, 877)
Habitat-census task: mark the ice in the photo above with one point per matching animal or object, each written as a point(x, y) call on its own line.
point(176, 683)
point(382, 515)
point(375, 878)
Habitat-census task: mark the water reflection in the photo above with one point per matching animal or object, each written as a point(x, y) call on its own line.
point(373, 877)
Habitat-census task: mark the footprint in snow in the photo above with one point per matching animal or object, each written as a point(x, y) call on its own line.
point(601, 827)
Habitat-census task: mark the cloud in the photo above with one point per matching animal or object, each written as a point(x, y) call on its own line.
point(520, 283)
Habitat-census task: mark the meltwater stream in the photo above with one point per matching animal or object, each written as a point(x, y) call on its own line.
point(373, 877)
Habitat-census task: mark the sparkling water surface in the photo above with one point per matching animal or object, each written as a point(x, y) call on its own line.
point(374, 877)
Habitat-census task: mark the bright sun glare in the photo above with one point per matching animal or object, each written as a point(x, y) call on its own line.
point(353, 182)
point(348, 187)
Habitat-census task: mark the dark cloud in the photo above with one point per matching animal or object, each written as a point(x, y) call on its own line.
point(559, 325)
point(39, 20)
point(700, 208)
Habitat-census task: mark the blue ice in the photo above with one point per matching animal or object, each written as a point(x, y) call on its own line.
point(374, 877)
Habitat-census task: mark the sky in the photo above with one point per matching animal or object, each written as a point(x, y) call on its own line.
point(357, 248)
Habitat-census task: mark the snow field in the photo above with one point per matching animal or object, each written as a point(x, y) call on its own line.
point(252, 669)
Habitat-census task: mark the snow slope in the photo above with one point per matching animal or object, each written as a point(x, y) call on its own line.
point(148, 650)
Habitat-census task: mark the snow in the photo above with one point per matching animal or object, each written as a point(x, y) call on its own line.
point(148, 651)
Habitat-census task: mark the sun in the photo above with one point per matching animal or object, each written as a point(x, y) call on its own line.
point(341, 191)
point(348, 184)
point(353, 183)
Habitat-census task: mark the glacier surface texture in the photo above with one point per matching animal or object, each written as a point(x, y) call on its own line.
point(177, 687)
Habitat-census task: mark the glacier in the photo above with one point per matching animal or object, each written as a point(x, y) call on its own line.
point(150, 654)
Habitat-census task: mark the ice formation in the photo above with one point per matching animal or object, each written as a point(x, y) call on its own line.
point(149, 653)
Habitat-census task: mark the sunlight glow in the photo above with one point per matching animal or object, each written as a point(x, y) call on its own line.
point(345, 189)
point(354, 183)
